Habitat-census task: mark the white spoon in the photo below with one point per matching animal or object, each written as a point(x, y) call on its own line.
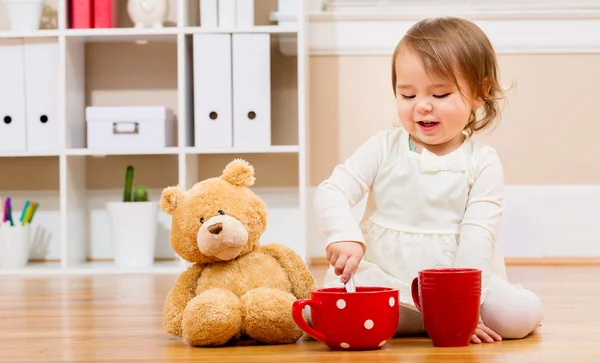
point(349, 285)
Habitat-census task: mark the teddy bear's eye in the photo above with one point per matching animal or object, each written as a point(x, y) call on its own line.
point(202, 220)
point(221, 212)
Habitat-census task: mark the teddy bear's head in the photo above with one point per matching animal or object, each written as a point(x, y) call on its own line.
point(219, 218)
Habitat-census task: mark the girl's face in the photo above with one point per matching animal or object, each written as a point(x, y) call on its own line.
point(432, 110)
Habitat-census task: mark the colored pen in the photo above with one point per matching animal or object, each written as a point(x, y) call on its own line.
point(33, 209)
point(24, 211)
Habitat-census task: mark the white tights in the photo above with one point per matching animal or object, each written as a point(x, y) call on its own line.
point(510, 310)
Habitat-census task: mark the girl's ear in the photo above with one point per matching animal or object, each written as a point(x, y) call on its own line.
point(170, 197)
point(478, 102)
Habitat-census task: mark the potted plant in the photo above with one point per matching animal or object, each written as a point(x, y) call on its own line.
point(133, 225)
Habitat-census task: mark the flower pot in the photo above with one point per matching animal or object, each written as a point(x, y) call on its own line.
point(14, 246)
point(24, 15)
point(133, 229)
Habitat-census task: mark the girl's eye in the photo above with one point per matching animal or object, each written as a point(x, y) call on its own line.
point(441, 96)
point(408, 97)
point(202, 220)
point(221, 212)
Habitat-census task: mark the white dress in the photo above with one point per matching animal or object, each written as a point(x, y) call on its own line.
point(422, 210)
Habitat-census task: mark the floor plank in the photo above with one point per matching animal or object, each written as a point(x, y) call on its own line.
point(117, 318)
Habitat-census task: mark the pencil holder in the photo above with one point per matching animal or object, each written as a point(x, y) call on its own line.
point(14, 246)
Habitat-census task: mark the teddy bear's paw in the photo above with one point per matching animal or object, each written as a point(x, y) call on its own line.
point(267, 316)
point(212, 318)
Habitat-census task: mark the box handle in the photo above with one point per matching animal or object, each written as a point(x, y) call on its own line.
point(130, 128)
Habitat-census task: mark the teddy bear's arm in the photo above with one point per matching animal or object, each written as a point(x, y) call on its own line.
point(303, 282)
point(182, 292)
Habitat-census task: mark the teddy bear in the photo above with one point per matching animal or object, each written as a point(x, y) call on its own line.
point(234, 288)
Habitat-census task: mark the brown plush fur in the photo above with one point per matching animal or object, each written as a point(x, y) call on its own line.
point(219, 299)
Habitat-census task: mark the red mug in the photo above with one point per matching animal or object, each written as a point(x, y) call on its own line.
point(365, 319)
point(449, 300)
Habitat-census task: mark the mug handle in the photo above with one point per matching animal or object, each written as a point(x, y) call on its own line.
point(415, 293)
point(297, 308)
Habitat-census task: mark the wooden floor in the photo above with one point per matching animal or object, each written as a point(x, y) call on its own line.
point(117, 318)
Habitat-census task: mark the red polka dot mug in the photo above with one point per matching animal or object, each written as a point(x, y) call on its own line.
point(365, 319)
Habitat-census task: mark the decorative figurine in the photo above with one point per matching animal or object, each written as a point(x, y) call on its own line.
point(148, 13)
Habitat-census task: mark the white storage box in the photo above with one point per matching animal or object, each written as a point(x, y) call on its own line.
point(129, 127)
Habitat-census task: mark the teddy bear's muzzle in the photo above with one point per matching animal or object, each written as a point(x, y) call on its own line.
point(222, 237)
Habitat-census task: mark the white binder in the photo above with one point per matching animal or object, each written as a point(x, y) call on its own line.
point(226, 13)
point(12, 96)
point(212, 91)
point(41, 94)
point(244, 13)
point(209, 15)
point(251, 90)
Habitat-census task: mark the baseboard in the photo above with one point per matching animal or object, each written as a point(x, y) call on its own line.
point(552, 261)
point(156, 259)
point(56, 260)
point(512, 261)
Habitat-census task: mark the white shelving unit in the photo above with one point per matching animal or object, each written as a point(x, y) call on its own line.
point(78, 222)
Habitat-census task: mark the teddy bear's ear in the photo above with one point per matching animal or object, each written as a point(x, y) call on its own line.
point(239, 173)
point(169, 198)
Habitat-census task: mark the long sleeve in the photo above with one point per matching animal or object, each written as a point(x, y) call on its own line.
point(482, 219)
point(346, 187)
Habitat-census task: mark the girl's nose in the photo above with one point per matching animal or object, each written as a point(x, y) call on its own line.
point(424, 107)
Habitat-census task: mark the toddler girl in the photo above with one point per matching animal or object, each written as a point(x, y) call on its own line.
point(435, 196)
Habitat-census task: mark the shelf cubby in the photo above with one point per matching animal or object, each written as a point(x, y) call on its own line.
point(123, 21)
point(117, 73)
point(262, 13)
point(35, 179)
point(51, 18)
point(99, 180)
point(283, 100)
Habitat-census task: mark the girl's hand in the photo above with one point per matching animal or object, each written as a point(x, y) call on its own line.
point(485, 334)
point(345, 256)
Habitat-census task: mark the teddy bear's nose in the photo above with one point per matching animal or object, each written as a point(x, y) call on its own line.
point(216, 228)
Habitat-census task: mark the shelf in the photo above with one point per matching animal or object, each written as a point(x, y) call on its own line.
point(88, 152)
point(168, 34)
point(94, 268)
point(108, 267)
point(271, 29)
point(124, 34)
point(44, 33)
point(276, 149)
point(28, 154)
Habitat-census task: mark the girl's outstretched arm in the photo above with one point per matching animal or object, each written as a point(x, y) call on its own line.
point(336, 196)
point(480, 226)
point(483, 217)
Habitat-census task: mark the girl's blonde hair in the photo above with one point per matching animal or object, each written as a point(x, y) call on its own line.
point(450, 45)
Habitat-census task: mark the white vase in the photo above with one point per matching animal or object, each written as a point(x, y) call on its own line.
point(14, 246)
point(133, 230)
point(146, 13)
point(24, 15)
